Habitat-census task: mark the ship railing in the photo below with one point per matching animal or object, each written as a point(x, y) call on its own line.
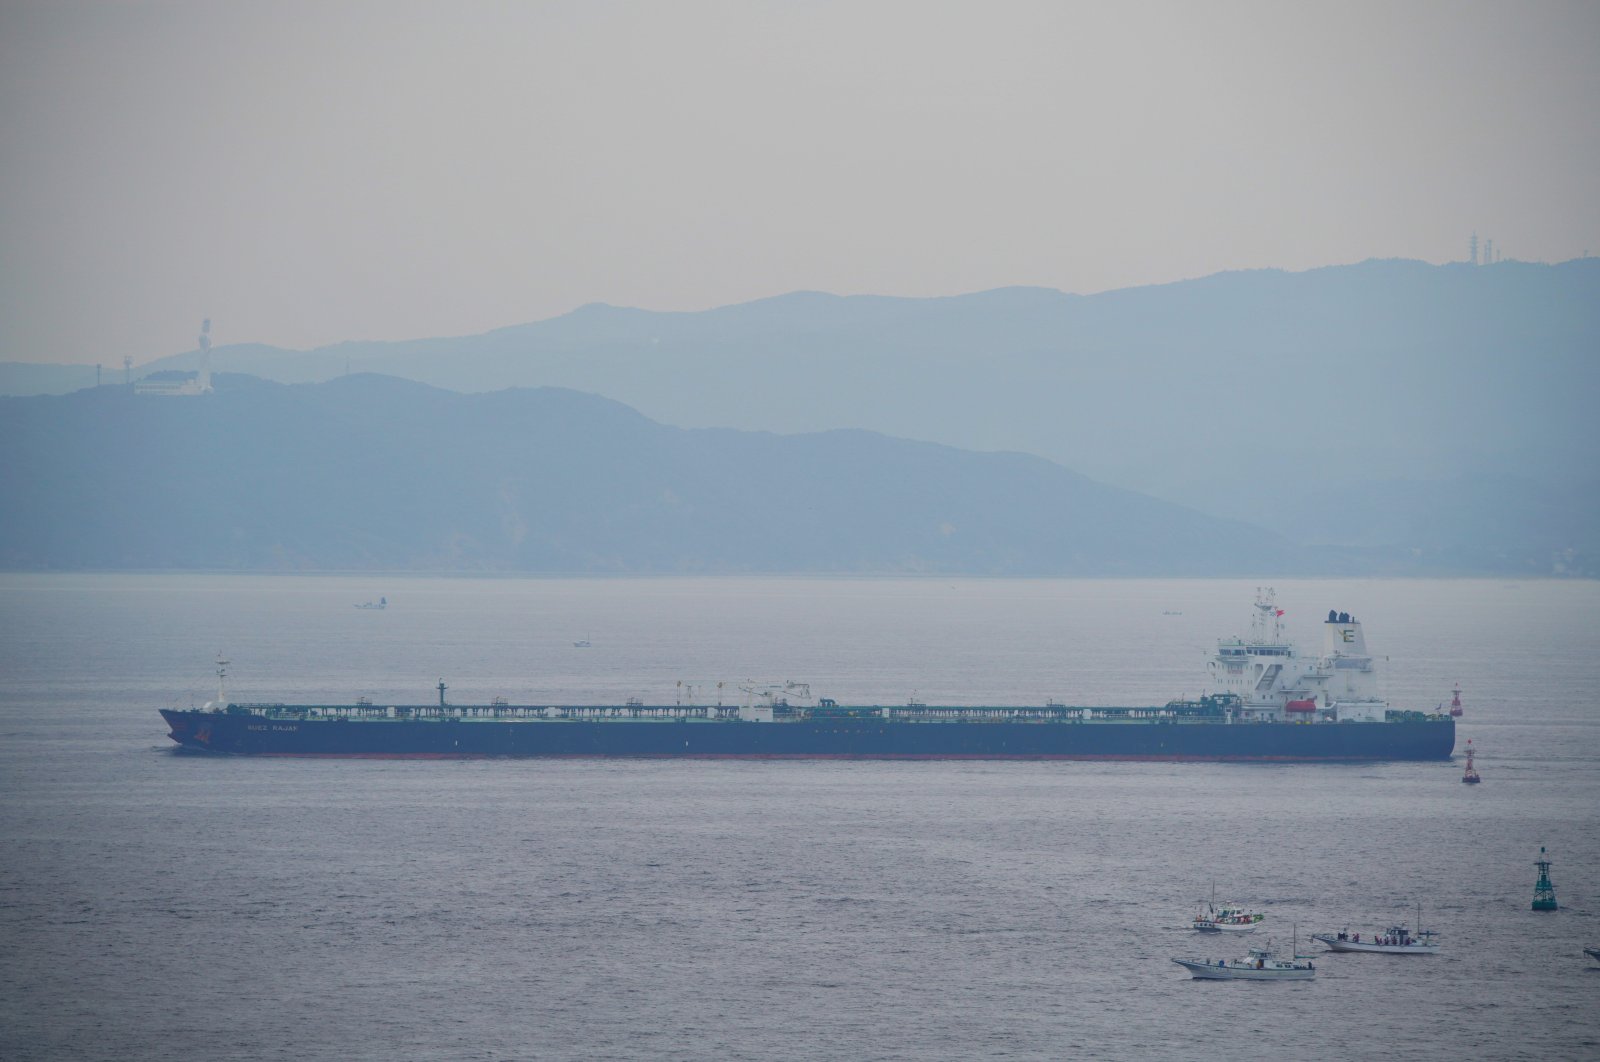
point(570, 712)
point(923, 713)
point(640, 711)
point(258, 708)
point(1052, 713)
point(489, 712)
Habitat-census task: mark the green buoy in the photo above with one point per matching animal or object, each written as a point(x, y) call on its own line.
point(1544, 893)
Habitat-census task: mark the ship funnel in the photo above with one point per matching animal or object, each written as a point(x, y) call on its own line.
point(1350, 685)
point(1342, 636)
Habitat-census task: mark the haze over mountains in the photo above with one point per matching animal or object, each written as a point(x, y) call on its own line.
point(374, 473)
point(371, 472)
point(1398, 409)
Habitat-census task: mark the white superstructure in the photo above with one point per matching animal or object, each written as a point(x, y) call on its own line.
point(1273, 681)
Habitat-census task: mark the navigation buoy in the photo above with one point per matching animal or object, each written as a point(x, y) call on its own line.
point(1544, 893)
point(1470, 776)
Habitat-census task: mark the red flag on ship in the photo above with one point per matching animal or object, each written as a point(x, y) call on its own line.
point(1280, 611)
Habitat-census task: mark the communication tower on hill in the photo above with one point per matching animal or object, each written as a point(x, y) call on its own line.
point(197, 384)
point(204, 379)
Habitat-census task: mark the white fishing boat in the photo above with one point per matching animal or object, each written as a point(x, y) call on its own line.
point(1226, 918)
point(1396, 940)
point(1259, 965)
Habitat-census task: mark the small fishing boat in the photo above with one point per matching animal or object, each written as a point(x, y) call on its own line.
point(1259, 965)
point(1227, 918)
point(1396, 940)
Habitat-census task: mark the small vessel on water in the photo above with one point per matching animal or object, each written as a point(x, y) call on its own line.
point(381, 603)
point(1593, 953)
point(1227, 918)
point(1470, 775)
point(1396, 940)
point(1261, 964)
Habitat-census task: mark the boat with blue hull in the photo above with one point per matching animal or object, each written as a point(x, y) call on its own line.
point(1269, 704)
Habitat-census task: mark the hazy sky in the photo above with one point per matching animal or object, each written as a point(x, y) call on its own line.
point(308, 173)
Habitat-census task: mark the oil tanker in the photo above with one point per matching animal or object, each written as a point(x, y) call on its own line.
point(1268, 702)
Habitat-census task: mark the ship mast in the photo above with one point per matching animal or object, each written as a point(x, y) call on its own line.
point(222, 676)
point(1268, 615)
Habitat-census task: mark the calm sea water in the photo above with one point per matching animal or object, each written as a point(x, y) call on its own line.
point(160, 906)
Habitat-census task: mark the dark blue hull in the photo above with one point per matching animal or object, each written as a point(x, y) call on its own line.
point(244, 733)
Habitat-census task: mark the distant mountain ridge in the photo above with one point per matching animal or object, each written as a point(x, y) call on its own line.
point(369, 472)
point(1449, 407)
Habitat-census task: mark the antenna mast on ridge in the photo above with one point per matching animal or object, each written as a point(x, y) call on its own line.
point(203, 378)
